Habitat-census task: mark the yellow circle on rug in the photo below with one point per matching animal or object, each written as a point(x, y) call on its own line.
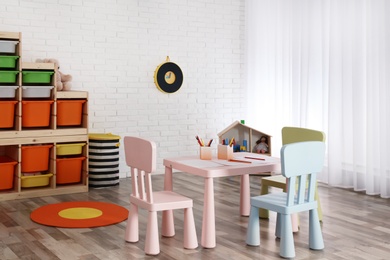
point(80, 213)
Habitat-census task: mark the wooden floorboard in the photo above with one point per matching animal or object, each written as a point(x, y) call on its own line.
point(355, 226)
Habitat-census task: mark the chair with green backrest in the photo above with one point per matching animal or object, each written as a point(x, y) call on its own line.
point(291, 135)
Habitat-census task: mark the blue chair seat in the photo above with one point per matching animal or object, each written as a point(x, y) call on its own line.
point(277, 203)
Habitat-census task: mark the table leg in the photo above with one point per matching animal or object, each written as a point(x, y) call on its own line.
point(245, 195)
point(208, 224)
point(168, 179)
point(168, 227)
point(295, 222)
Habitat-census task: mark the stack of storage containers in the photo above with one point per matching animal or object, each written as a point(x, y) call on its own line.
point(9, 71)
point(35, 165)
point(42, 131)
point(37, 97)
point(69, 163)
point(70, 156)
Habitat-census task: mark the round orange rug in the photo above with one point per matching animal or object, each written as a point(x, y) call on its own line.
point(79, 214)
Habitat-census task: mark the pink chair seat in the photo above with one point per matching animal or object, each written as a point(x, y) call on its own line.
point(164, 200)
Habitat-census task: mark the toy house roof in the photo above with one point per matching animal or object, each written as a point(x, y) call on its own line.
point(237, 123)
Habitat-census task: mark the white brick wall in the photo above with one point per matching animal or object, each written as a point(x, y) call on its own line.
point(112, 49)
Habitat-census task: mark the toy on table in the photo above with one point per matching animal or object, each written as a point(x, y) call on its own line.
point(261, 145)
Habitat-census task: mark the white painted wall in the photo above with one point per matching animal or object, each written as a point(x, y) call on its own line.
point(112, 48)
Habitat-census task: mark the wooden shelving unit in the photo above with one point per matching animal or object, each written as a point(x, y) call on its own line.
point(13, 139)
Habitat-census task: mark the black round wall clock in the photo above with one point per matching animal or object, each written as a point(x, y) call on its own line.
point(168, 77)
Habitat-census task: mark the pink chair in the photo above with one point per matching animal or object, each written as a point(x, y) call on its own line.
point(141, 158)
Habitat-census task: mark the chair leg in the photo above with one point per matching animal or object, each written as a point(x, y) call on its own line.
point(278, 226)
point(131, 234)
point(294, 224)
point(253, 231)
point(316, 240)
point(287, 248)
point(190, 238)
point(168, 224)
point(264, 213)
point(152, 244)
point(319, 209)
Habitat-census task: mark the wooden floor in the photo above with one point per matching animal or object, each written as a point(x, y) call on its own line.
point(355, 226)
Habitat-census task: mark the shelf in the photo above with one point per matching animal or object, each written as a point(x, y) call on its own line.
point(37, 66)
point(13, 139)
point(10, 35)
point(13, 150)
point(72, 94)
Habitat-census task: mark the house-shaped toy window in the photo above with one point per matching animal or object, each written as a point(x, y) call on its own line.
point(246, 138)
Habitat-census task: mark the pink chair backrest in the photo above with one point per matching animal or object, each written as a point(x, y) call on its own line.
point(140, 156)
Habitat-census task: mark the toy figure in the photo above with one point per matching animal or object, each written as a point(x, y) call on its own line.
point(261, 145)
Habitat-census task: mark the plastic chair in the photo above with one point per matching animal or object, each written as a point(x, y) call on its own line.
point(140, 156)
point(303, 160)
point(292, 135)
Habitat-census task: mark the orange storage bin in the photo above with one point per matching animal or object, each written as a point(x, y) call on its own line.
point(36, 113)
point(7, 169)
point(7, 113)
point(35, 158)
point(69, 112)
point(69, 170)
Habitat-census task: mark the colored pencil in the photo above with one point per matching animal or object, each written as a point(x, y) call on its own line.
point(199, 141)
point(254, 158)
point(241, 161)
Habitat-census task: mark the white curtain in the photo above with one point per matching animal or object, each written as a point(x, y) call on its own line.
point(325, 64)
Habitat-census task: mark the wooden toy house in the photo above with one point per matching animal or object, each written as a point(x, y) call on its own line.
point(245, 137)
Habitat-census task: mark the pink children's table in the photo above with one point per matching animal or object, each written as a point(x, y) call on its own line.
point(214, 168)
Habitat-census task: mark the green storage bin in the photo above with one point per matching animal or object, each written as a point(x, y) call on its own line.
point(8, 62)
point(8, 76)
point(37, 76)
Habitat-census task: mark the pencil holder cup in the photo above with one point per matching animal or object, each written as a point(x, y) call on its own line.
point(225, 152)
point(206, 152)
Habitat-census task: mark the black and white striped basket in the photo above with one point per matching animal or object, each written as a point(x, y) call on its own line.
point(103, 160)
